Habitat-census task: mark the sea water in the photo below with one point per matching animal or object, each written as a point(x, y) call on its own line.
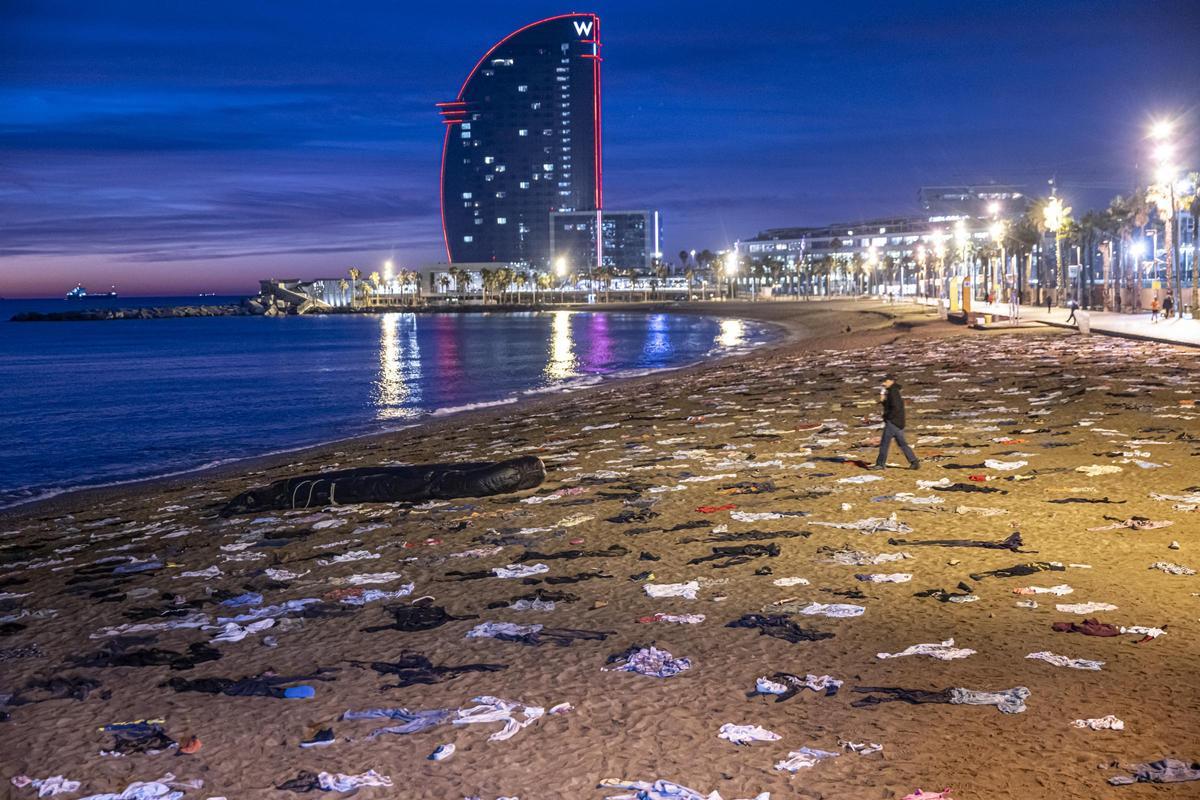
point(97, 403)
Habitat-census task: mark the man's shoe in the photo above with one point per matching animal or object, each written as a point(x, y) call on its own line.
point(875, 467)
point(914, 465)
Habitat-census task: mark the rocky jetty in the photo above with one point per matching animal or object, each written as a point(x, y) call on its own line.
point(247, 308)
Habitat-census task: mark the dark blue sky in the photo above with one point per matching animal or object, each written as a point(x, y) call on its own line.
point(178, 147)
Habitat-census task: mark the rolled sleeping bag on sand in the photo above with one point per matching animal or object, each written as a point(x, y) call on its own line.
point(415, 484)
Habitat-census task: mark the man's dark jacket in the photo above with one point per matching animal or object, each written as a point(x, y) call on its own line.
point(893, 406)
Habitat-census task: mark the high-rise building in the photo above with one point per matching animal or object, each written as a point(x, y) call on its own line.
point(632, 240)
point(523, 141)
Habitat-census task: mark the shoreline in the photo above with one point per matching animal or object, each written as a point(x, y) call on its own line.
point(780, 315)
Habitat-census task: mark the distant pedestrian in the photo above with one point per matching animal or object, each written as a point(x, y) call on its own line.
point(1154, 309)
point(1072, 305)
point(1168, 306)
point(893, 425)
point(1049, 302)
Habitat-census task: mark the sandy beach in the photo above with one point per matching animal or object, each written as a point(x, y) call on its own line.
point(740, 482)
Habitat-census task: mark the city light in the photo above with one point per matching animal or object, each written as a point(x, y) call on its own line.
point(997, 231)
point(994, 208)
point(1053, 214)
point(960, 233)
point(731, 263)
point(560, 267)
point(387, 271)
point(1137, 249)
point(1161, 129)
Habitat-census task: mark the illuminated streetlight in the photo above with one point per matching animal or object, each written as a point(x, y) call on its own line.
point(560, 267)
point(994, 208)
point(387, 271)
point(1161, 129)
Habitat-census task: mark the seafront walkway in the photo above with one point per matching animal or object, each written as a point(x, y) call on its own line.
point(1134, 326)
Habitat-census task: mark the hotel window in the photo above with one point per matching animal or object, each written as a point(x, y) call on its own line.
point(501, 220)
point(547, 167)
point(468, 238)
point(466, 134)
point(535, 106)
point(478, 221)
point(501, 195)
point(523, 132)
point(466, 126)
point(522, 88)
point(500, 168)
point(524, 184)
point(466, 195)
point(488, 159)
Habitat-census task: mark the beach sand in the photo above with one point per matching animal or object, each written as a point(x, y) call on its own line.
point(627, 463)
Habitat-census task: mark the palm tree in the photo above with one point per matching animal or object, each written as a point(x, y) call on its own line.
point(355, 274)
point(485, 282)
point(683, 259)
point(690, 277)
point(343, 285)
point(1191, 203)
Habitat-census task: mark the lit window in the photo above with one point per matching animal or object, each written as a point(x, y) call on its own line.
point(468, 238)
point(547, 167)
point(524, 184)
point(535, 106)
point(466, 195)
point(478, 221)
point(522, 88)
point(500, 168)
point(466, 134)
point(523, 132)
point(500, 195)
point(501, 220)
point(466, 126)
point(488, 159)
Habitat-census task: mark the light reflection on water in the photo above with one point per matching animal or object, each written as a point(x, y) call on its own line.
point(732, 333)
point(562, 363)
point(399, 367)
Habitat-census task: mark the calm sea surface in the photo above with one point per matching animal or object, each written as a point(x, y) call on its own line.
point(92, 403)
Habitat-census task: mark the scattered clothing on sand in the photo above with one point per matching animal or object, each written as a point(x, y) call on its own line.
point(780, 627)
point(648, 660)
point(410, 721)
point(734, 555)
point(661, 790)
point(964, 595)
point(1013, 543)
point(882, 577)
point(685, 590)
point(1172, 569)
point(514, 714)
point(745, 734)
point(785, 685)
point(1064, 661)
point(1165, 770)
point(533, 635)
point(265, 684)
point(418, 618)
point(1008, 701)
point(334, 782)
point(1089, 627)
point(1105, 723)
point(1134, 524)
point(942, 651)
point(804, 758)
point(870, 525)
point(1020, 570)
point(412, 669)
point(46, 787)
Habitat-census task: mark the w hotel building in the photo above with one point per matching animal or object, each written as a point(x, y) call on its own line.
point(523, 142)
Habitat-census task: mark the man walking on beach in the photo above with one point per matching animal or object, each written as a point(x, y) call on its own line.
point(893, 425)
point(1072, 305)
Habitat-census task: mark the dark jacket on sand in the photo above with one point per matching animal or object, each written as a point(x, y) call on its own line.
point(893, 406)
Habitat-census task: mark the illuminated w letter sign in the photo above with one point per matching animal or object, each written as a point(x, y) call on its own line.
point(583, 28)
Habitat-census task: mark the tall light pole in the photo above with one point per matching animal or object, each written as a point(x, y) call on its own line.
point(731, 270)
point(560, 269)
point(1055, 216)
point(1161, 132)
point(997, 233)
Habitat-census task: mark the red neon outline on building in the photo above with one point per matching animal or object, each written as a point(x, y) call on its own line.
point(459, 101)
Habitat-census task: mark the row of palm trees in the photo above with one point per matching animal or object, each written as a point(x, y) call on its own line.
point(1109, 242)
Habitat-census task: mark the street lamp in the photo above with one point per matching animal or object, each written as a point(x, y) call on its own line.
point(731, 270)
point(996, 231)
point(1166, 175)
point(560, 269)
point(1055, 217)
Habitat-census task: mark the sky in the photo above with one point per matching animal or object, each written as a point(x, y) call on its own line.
point(175, 148)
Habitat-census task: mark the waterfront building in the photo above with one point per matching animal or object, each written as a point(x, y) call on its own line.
point(630, 240)
point(522, 141)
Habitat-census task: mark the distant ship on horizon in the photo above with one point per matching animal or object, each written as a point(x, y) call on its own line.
point(78, 293)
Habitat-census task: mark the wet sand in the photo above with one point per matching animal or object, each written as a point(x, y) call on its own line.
point(777, 431)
